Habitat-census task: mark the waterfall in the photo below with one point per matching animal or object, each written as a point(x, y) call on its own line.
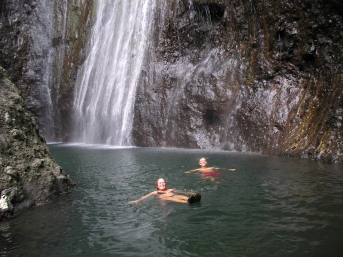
point(106, 83)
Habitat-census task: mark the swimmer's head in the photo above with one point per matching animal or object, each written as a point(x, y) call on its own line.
point(203, 162)
point(161, 184)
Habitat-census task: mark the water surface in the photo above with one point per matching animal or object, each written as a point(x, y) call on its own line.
point(268, 206)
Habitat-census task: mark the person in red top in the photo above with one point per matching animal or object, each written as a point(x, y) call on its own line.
point(169, 194)
point(203, 167)
point(205, 171)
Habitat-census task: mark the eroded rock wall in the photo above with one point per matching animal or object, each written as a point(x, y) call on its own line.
point(42, 45)
point(28, 174)
point(259, 75)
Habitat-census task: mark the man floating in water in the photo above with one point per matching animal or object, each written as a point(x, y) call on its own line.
point(203, 167)
point(207, 171)
point(169, 194)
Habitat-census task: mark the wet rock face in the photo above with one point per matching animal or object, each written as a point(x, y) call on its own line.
point(28, 174)
point(43, 46)
point(262, 76)
point(253, 75)
point(24, 63)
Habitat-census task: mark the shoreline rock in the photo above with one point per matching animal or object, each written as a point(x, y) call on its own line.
point(29, 175)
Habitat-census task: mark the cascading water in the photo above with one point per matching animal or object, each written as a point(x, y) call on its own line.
point(105, 90)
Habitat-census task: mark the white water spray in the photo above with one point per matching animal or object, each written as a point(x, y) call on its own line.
point(106, 84)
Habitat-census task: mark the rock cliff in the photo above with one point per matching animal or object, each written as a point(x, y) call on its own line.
point(246, 75)
point(262, 76)
point(28, 174)
point(43, 47)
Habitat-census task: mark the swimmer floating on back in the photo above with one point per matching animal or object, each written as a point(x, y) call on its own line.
point(170, 194)
point(203, 167)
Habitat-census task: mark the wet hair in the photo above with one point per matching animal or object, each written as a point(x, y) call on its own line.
point(202, 158)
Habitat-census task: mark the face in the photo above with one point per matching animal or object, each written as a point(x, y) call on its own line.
point(161, 184)
point(203, 162)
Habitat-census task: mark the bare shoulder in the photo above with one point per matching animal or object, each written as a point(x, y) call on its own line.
point(207, 169)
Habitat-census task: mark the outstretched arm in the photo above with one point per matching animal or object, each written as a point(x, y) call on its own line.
point(144, 197)
point(204, 169)
point(229, 169)
point(189, 171)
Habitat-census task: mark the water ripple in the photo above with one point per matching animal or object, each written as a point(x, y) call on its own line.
point(267, 207)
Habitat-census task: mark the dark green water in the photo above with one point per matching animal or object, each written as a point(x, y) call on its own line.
point(268, 207)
